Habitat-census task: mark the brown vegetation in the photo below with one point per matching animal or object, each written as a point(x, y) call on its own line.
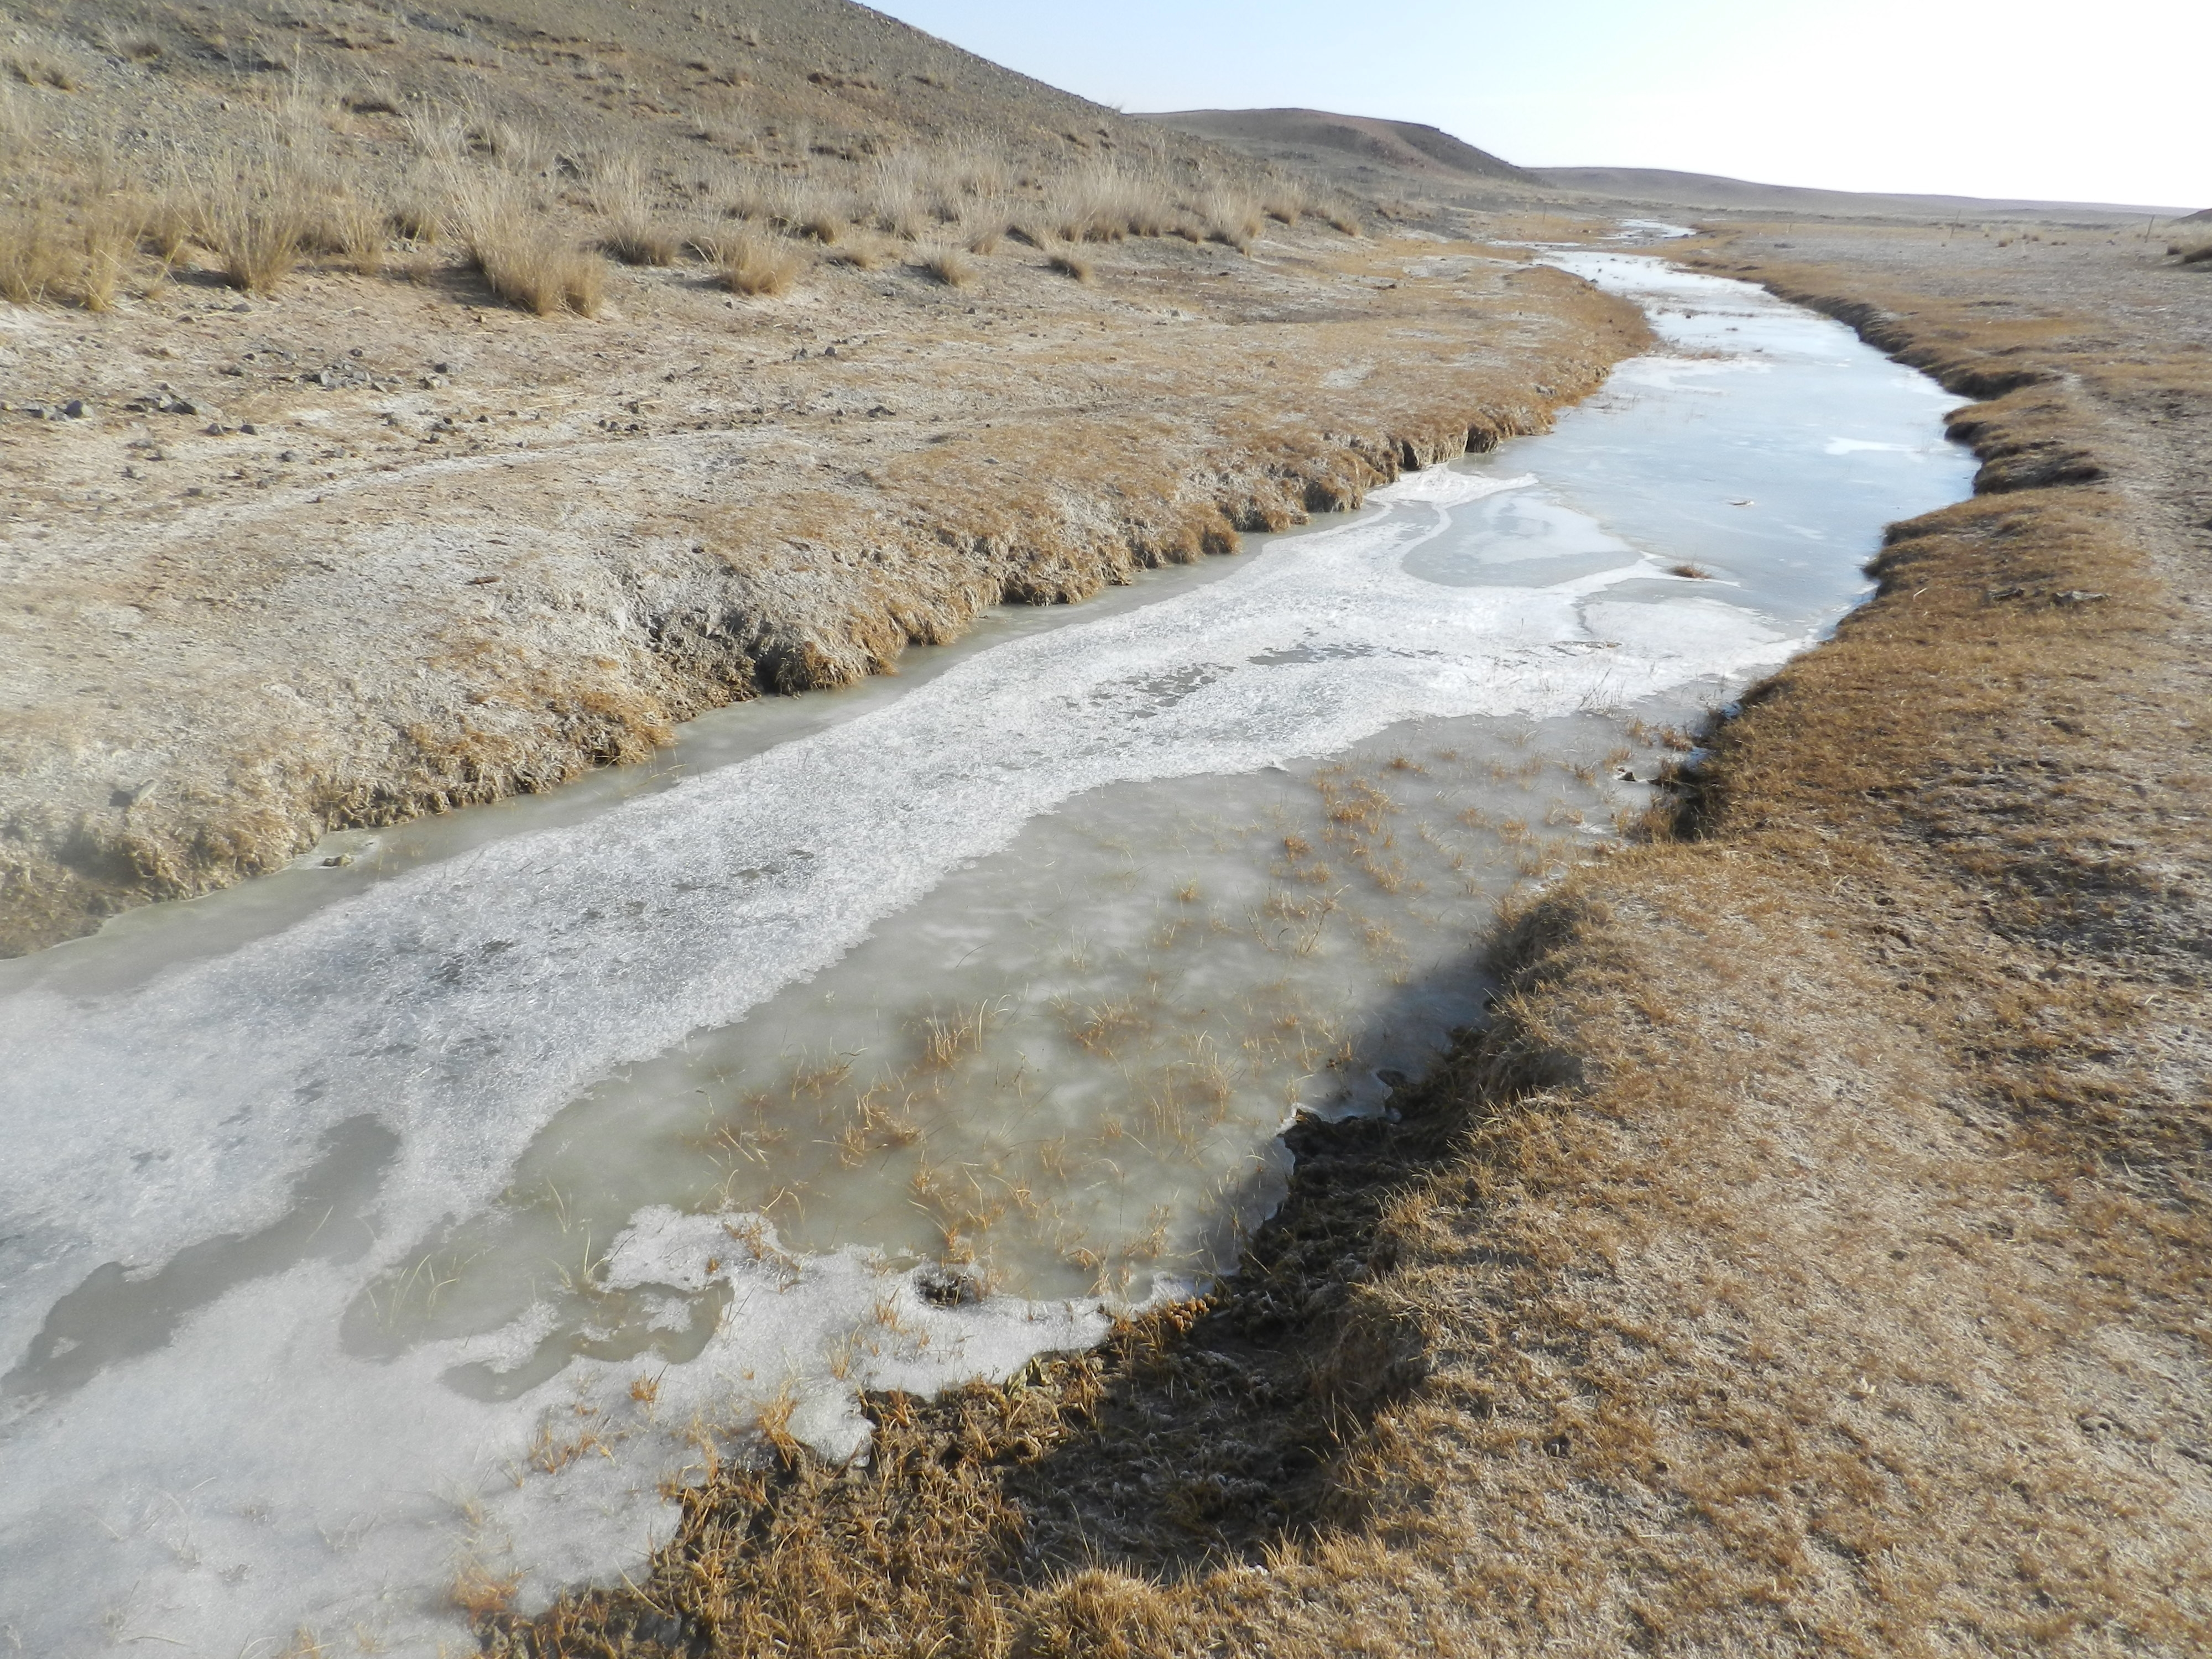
point(1811, 1258)
point(526, 260)
point(1033, 442)
point(752, 263)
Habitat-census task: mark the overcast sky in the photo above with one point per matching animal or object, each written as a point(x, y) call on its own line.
point(2091, 101)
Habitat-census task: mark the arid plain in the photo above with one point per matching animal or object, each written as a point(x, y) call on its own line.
point(1810, 1256)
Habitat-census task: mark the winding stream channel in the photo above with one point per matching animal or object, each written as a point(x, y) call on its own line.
point(410, 1209)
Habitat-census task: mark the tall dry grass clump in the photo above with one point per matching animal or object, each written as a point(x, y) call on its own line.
point(635, 233)
point(751, 261)
point(106, 241)
point(1232, 219)
point(50, 256)
point(35, 255)
point(258, 216)
point(947, 266)
point(528, 260)
point(986, 224)
point(1072, 261)
point(1106, 202)
point(357, 227)
point(1288, 202)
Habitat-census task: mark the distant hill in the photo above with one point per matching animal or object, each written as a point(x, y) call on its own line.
point(1317, 137)
point(1366, 153)
point(1708, 190)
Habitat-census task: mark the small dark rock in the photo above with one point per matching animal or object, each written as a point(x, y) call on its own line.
point(246, 427)
point(73, 409)
point(288, 454)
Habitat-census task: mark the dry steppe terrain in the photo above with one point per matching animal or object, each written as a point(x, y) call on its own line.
point(1812, 1255)
point(314, 519)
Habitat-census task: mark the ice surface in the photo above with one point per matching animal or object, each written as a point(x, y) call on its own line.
point(255, 1383)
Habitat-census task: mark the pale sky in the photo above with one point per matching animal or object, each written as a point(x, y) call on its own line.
point(2101, 101)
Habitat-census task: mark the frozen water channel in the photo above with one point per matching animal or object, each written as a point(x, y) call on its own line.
point(406, 1217)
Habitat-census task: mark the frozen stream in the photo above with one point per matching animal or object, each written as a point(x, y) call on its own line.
point(398, 1220)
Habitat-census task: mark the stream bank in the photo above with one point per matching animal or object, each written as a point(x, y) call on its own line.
point(1376, 697)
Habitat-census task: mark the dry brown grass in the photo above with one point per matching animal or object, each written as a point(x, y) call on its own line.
point(1072, 261)
point(752, 262)
point(51, 256)
point(38, 259)
point(257, 215)
point(527, 261)
point(1233, 219)
point(635, 232)
point(1810, 1259)
point(358, 229)
point(947, 266)
point(36, 69)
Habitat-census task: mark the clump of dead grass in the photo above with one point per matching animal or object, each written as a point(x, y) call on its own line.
point(528, 260)
point(1232, 218)
point(52, 256)
point(35, 69)
point(752, 262)
point(1070, 261)
point(947, 266)
point(635, 232)
point(257, 215)
point(37, 260)
point(358, 228)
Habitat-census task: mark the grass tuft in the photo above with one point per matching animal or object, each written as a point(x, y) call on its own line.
point(947, 266)
point(1072, 261)
point(752, 262)
point(528, 262)
point(257, 216)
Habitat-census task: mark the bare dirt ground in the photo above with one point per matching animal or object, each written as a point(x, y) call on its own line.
point(1812, 1257)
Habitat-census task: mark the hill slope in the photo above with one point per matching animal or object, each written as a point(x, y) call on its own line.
point(1316, 137)
point(1657, 184)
